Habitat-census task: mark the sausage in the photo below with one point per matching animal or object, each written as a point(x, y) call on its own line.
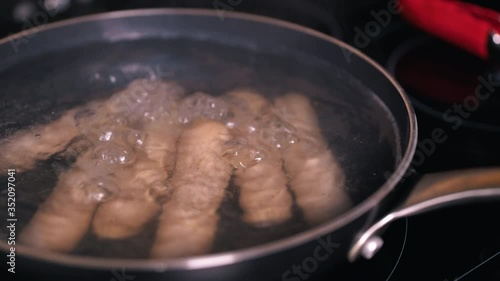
point(63, 219)
point(160, 144)
point(24, 148)
point(316, 177)
point(143, 186)
point(142, 183)
point(135, 205)
point(189, 219)
point(27, 146)
point(264, 196)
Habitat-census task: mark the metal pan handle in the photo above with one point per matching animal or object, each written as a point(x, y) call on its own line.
point(433, 191)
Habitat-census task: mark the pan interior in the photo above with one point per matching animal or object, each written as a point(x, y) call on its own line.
point(360, 129)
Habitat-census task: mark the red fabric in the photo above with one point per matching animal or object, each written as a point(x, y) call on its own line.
point(464, 25)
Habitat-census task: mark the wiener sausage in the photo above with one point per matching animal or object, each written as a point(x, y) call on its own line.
point(63, 219)
point(264, 196)
point(316, 177)
point(189, 219)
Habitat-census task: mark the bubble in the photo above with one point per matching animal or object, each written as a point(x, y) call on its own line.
point(139, 94)
point(154, 102)
point(284, 139)
point(112, 153)
point(98, 77)
point(202, 105)
point(106, 136)
point(242, 155)
point(110, 128)
point(104, 131)
point(159, 112)
point(278, 132)
point(251, 128)
point(147, 100)
point(230, 124)
point(135, 137)
point(107, 76)
point(101, 189)
point(151, 116)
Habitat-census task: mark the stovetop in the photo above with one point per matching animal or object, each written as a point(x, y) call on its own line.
point(459, 243)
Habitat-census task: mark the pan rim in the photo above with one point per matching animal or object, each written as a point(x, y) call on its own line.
point(236, 256)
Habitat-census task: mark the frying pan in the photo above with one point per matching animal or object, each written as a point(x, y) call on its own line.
point(364, 114)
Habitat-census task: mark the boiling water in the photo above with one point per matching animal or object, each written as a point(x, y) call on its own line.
point(352, 119)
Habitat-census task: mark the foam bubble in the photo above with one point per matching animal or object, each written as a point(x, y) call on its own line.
point(135, 137)
point(241, 154)
point(101, 189)
point(202, 105)
point(112, 153)
point(277, 132)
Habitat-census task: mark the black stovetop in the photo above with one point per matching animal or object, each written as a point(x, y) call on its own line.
point(459, 243)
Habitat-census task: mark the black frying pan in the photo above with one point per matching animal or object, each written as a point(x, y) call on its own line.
point(364, 114)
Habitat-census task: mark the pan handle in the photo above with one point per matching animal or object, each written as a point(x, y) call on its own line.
point(433, 191)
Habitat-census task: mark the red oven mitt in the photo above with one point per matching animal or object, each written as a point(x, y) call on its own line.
point(462, 24)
